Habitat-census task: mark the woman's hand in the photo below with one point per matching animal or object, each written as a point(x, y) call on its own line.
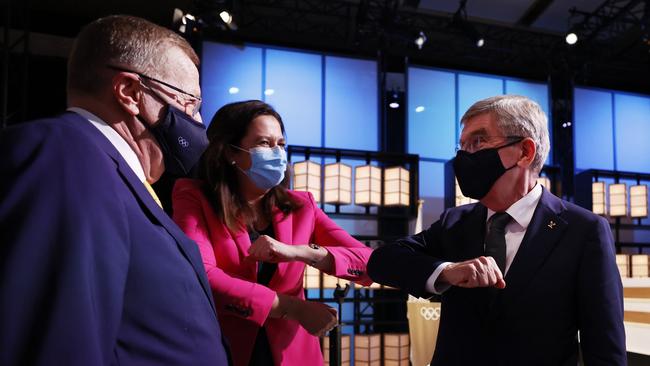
point(317, 318)
point(267, 249)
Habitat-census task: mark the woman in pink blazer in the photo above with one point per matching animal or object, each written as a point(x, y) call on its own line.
point(256, 236)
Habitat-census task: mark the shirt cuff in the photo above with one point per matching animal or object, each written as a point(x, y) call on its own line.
point(437, 288)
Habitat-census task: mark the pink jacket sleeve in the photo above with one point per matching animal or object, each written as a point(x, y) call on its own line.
point(240, 297)
point(350, 255)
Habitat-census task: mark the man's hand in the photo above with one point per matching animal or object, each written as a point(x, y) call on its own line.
point(477, 272)
point(267, 249)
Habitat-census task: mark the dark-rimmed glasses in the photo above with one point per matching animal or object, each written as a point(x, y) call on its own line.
point(194, 102)
point(476, 143)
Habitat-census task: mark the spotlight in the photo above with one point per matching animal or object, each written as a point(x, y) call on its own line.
point(394, 100)
point(571, 38)
point(233, 90)
point(419, 109)
point(459, 21)
point(184, 23)
point(268, 92)
point(226, 17)
point(420, 40)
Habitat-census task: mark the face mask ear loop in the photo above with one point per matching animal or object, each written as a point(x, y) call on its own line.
point(240, 148)
point(510, 144)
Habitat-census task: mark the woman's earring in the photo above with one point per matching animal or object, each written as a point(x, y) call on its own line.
point(233, 163)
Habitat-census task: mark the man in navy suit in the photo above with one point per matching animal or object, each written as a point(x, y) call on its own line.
point(92, 271)
point(522, 272)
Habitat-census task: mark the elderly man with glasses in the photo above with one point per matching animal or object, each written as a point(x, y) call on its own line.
point(93, 272)
point(522, 272)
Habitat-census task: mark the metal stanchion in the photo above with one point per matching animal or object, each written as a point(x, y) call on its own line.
point(335, 334)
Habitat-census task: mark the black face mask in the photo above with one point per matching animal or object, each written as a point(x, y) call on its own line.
point(477, 172)
point(182, 140)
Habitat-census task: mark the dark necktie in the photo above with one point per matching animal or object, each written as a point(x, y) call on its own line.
point(495, 243)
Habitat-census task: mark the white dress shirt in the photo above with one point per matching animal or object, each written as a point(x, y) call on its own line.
point(521, 212)
point(116, 140)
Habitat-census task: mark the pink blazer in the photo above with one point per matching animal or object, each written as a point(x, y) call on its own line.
point(242, 304)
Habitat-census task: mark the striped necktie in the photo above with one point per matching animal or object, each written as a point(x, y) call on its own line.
point(152, 193)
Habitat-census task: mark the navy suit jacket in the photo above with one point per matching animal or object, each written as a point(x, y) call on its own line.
point(563, 280)
point(92, 271)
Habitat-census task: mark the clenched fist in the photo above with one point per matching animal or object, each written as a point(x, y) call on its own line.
point(477, 272)
point(267, 249)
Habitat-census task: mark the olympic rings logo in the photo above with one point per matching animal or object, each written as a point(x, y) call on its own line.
point(183, 142)
point(430, 313)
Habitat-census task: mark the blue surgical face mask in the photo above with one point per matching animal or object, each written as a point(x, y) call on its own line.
point(267, 166)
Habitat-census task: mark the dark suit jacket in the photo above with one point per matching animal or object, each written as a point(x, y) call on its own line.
point(92, 271)
point(563, 280)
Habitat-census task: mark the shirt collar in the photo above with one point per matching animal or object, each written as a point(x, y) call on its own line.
point(116, 140)
point(522, 210)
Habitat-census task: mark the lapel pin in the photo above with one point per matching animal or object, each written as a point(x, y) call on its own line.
point(551, 224)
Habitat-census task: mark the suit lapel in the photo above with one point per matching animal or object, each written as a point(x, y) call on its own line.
point(147, 201)
point(543, 233)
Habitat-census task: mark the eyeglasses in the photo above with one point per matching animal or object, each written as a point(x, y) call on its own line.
point(191, 102)
point(478, 142)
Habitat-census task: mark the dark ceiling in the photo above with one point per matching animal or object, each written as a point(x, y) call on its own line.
point(524, 38)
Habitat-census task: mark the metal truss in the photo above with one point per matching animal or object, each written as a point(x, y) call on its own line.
point(612, 19)
point(365, 27)
point(380, 28)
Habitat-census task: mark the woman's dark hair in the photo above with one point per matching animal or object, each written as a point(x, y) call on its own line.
point(228, 127)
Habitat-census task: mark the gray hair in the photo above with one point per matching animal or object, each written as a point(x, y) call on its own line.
point(517, 115)
point(124, 41)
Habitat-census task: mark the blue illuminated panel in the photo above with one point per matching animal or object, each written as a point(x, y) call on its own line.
point(351, 105)
point(632, 118)
point(432, 191)
point(472, 88)
point(224, 67)
point(431, 113)
point(293, 88)
point(593, 129)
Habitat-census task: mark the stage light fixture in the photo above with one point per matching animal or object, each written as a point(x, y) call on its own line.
point(393, 102)
point(571, 38)
point(184, 23)
point(459, 21)
point(420, 40)
point(307, 178)
point(617, 200)
point(639, 201)
point(338, 184)
point(396, 186)
point(367, 185)
point(225, 16)
point(598, 198)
